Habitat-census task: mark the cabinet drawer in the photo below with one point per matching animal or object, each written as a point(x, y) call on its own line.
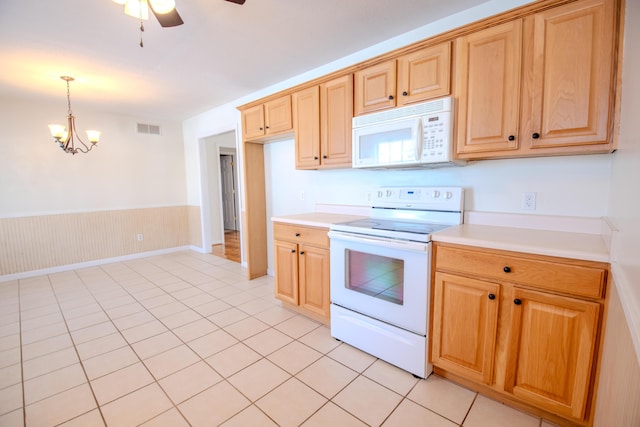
point(567, 278)
point(301, 234)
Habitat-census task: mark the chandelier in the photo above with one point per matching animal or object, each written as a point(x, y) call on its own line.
point(66, 136)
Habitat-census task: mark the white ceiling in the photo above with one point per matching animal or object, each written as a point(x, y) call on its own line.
point(221, 53)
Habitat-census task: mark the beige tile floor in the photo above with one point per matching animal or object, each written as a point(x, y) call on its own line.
point(184, 339)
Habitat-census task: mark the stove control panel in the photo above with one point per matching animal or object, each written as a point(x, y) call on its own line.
point(424, 198)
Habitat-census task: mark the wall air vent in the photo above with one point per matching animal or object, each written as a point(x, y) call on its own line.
point(149, 129)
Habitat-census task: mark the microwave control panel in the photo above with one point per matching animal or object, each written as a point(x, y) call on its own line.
point(437, 134)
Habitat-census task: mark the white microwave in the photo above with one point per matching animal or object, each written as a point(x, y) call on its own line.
point(413, 136)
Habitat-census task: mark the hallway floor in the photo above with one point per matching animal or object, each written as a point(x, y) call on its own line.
point(184, 339)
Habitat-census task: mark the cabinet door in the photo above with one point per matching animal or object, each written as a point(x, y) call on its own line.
point(336, 114)
point(286, 271)
point(277, 115)
point(253, 122)
point(306, 122)
point(375, 88)
point(424, 74)
point(551, 351)
point(314, 279)
point(465, 323)
point(568, 88)
point(488, 67)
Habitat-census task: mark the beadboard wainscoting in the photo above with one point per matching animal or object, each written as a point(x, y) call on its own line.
point(46, 241)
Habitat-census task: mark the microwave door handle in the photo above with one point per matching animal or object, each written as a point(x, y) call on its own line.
point(420, 140)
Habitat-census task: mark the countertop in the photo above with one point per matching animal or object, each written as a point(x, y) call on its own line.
point(316, 219)
point(583, 246)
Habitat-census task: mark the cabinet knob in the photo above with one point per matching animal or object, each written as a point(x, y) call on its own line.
point(517, 301)
point(297, 234)
point(315, 157)
point(267, 127)
point(405, 93)
point(536, 135)
point(492, 296)
point(324, 157)
point(511, 138)
point(390, 96)
point(261, 129)
point(507, 269)
point(301, 252)
point(293, 251)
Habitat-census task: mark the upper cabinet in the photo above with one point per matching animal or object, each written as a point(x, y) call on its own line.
point(268, 119)
point(488, 89)
point(413, 77)
point(375, 88)
point(322, 123)
point(541, 85)
point(336, 114)
point(424, 74)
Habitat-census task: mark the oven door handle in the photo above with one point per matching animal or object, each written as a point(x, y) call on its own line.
point(403, 245)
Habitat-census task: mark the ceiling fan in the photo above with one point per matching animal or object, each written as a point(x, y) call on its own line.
point(164, 11)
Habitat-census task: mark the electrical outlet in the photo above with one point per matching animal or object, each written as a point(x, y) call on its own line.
point(140, 237)
point(529, 201)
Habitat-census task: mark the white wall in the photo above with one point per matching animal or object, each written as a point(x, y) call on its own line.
point(125, 171)
point(568, 186)
point(624, 206)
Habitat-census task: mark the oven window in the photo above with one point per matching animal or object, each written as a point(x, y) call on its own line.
point(375, 275)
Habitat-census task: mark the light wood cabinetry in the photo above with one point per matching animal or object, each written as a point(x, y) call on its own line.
point(540, 85)
point(301, 259)
point(268, 119)
point(523, 326)
point(375, 88)
point(488, 89)
point(424, 74)
point(413, 77)
point(322, 122)
point(336, 114)
point(465, 321)
point(306, 122)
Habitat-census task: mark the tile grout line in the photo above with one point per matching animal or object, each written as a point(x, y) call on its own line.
point(75, 348)
point(24, 402)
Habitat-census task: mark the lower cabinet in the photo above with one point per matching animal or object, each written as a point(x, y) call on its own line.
point(301, 259)
point(500, 324)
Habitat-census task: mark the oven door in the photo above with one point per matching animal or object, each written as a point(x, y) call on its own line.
point(382, 278)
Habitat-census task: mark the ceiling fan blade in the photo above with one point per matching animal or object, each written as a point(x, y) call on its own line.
point(237, 1)
point(169, 19)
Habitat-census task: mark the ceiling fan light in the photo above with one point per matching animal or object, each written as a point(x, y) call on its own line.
point(163, 6)
point(137, 8)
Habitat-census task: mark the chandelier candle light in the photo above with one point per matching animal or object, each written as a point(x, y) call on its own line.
point(66, 136)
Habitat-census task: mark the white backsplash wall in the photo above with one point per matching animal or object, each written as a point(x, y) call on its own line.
point(564, 185)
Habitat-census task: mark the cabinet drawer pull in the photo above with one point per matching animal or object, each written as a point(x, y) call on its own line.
point(390, 96)
point(517, 301)
point(261, 129)
point(507, 269)
point(267, 127)
point(293, 251)
point(511, 138)
point(536, 135)
point(297, 234)
point(301, 252)
point(492, 296)
point(405, 93)
point(324, 157)
point(315, 157)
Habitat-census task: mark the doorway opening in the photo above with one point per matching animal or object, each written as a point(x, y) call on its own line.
point(230, 248)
